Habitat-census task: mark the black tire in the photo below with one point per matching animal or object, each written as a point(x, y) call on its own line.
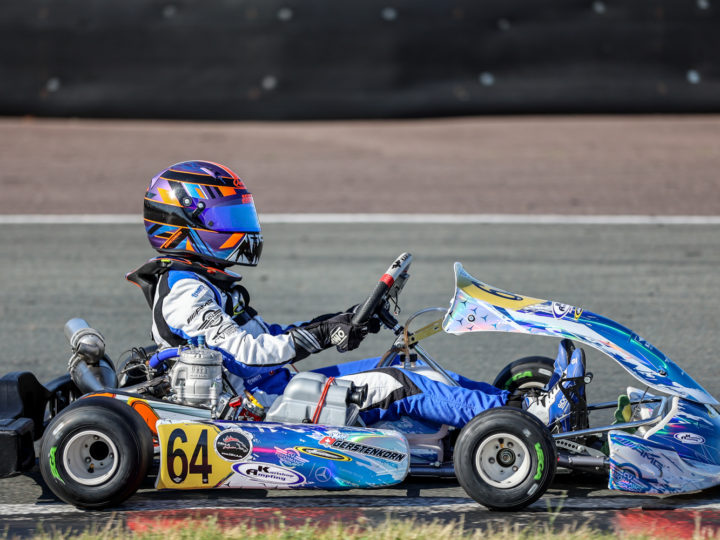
point(525, 445)
point(102, 432)
point(525, 373)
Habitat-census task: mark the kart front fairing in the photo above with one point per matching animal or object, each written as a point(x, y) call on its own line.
point(478, 307)
point(678, 455)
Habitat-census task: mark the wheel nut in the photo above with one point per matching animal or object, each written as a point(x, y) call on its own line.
point(491, 460)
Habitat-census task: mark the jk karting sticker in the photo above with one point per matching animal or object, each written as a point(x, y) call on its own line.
point(324, 454)
point(363, 449)
point(233, 445)
point(267, 473)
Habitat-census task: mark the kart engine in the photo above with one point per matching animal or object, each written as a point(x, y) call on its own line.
point(196, 378)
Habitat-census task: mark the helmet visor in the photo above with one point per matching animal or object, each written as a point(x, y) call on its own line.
point(231, 218)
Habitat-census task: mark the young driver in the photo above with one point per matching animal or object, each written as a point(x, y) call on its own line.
point(200, 216)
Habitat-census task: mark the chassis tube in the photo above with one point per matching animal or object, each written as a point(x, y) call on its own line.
point(603, 429)
point(446, 470)
point(570, 461)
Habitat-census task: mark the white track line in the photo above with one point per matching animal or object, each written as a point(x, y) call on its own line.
point(442, 219)
point(424, 504)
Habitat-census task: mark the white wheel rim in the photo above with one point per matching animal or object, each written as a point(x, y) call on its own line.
point(503, 460)
point(90, 458)
point(532, 384)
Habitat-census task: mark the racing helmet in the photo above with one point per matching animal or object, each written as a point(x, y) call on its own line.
point(201, 209)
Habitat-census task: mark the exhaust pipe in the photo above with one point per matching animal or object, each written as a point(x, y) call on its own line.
point(89, 368)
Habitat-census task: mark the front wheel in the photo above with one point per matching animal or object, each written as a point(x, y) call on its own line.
point(505, 459)
point(96, 453)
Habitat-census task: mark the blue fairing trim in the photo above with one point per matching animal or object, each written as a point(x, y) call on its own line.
point(176, 275)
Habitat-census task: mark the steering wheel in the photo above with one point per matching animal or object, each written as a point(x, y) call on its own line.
point(389, 284)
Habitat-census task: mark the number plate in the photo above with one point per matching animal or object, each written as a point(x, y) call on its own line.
point(187, 458)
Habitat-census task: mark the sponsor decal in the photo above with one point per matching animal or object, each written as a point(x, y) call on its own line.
point(363, 449)
point(197, 310)
point(197, 291)
point(689, 438)
point(541, 462)
point(642, 341)
point(322, 474)
point(338, 336)
point(399, 261)
point(560, 310)
point(289, 457)
point(268, 473)
point(225, 331)
point(233, 445)
point(211, 318)
point(578, 313)
point(322, 453)
point(498, 292)
point(53, 467)
point(517, 377)
point(564, 404)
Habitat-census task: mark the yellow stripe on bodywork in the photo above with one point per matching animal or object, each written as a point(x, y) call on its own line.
point(495, 297)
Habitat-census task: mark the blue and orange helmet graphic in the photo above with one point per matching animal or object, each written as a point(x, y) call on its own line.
point(203, 209)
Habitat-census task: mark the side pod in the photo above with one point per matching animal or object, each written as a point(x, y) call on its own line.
point(22, 409)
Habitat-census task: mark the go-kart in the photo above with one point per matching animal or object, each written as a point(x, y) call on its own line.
point(173, 415)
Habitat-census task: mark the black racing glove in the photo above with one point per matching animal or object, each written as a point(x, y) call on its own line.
point(373, 325)
point(317, 336)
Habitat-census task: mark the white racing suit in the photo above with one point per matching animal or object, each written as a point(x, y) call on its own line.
point(190, 300)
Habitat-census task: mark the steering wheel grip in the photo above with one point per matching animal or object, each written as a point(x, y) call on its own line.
point(379, 293)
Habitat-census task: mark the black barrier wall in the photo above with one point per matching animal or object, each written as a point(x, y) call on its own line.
point(270, 59)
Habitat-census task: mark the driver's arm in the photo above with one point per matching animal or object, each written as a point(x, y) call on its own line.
point(190, 309)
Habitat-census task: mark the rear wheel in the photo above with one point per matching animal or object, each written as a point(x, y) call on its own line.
point(525, 373)
point(96, 453)
point(505, 459)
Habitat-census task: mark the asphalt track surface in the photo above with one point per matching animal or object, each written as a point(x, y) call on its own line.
point(660, 280)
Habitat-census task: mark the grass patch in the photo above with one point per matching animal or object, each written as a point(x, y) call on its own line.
point(391, 529)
